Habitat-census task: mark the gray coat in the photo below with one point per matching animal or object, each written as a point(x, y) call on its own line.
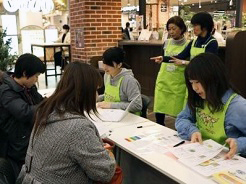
point(69, 150)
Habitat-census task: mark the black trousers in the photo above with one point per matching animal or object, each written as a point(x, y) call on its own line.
point(58, 58)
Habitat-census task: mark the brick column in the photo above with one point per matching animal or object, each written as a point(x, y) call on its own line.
point(101, 21)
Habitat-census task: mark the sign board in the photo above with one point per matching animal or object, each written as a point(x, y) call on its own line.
point(28, 5)
point(79, 39)
point(163, 8)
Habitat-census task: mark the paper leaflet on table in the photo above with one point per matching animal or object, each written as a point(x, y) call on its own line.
point(206, 158)
point(194, 153)
point(149, 141)
point(233, 175)
point(218, 163)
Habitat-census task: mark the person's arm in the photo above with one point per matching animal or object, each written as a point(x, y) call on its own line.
point(87, 150)
point(185, 124)
point(37, 97)
point(19, 109)
point(182, 55)
point(235, 123)
point(212, 47)
point(159, 59)
point(131, 88)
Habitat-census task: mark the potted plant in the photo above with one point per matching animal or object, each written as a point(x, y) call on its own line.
point(6, 59)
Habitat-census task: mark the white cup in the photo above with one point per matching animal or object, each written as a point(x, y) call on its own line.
point(100, 64)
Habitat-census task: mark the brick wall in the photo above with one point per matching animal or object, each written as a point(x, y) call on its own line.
point(101, 20)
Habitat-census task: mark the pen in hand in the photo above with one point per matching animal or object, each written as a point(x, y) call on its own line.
point(176, 145)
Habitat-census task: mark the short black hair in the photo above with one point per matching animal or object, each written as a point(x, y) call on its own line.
point(65, 26)
point(113, 54)
point(178, 21)
point(28, 64)
point(204, 19)
point(127, 24)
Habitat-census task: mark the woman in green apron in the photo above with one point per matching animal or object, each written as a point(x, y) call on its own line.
point(214, 111)
point(120, 85)
point(170, 83)
point(203, 26)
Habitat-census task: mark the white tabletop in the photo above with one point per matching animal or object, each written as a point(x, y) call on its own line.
point(161, 162)
point(50, 44)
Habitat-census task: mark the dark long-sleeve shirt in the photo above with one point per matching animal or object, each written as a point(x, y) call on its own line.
point(212, 47)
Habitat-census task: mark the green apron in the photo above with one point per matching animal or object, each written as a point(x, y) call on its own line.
point(170, 84)
point(112, 93)
point(211, 125)
point(194, 51)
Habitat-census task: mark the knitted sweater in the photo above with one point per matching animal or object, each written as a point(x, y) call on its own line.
point(69, 150)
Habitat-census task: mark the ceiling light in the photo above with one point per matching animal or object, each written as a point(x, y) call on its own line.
point(231, 2)
point(200, 6)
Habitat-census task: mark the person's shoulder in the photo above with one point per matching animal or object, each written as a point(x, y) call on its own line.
point(213, 40)
point(129, 77)
point(80, 123)
point(237, 105)
point(239, 100)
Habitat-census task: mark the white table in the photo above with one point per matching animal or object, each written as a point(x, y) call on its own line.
point(159, 163)
point(54, 46)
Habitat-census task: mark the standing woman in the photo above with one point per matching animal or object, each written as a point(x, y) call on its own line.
point(203, 26)
point(120, 85)
point(170, 82)
point(65, 147)
point(214, 111)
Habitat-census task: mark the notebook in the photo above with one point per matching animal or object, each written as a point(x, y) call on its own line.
point(115, 115)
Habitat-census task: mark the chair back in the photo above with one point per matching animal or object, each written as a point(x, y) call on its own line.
point(94, 60)
point(145, 104)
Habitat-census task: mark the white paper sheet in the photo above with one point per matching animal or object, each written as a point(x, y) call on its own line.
point(194, 153)
point(218, 163)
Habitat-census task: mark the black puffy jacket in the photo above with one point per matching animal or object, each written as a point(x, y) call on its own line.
point(17, 106)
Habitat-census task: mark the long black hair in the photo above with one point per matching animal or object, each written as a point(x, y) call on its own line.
point(210, 71)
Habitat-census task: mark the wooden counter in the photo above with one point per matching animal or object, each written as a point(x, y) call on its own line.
point(145, 70)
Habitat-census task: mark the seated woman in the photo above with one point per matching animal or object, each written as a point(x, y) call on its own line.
point(120, 85)
point(65, 146)
point(214, 111)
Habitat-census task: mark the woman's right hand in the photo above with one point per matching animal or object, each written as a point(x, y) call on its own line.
point(157, 59)
point(196, 137)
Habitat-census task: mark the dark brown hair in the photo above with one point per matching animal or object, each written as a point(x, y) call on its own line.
point(178, 21)
point(210, 71)
point(75, 93)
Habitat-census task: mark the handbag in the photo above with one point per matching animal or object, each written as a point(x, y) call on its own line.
point(118, 175)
